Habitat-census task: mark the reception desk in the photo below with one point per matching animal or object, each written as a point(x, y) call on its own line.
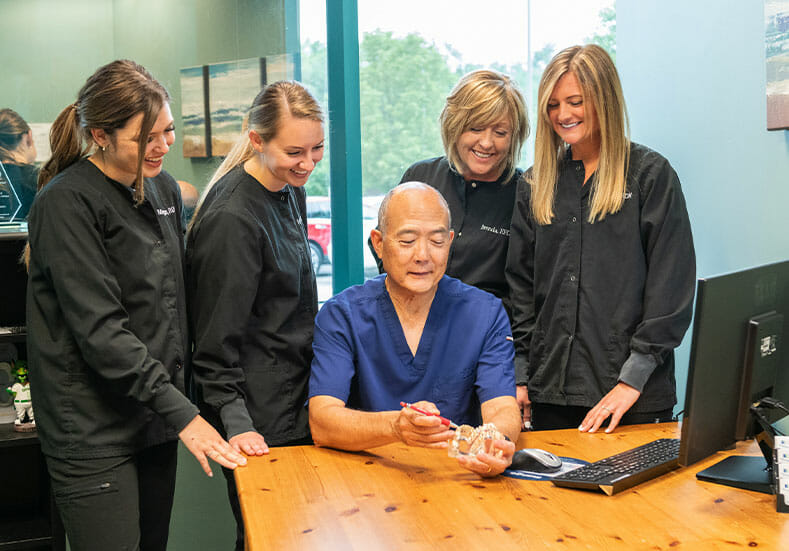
point(397, 497)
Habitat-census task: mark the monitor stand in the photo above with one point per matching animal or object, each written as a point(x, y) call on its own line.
point(753, 473)
point(740, 471)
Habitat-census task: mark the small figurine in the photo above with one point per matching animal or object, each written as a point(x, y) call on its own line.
point(22, 402)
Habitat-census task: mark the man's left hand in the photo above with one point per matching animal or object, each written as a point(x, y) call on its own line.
point(486, 464)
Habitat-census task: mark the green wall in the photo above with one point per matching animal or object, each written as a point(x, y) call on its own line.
point(47, 50)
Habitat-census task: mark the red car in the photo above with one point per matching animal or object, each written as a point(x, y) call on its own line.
point(319, 229)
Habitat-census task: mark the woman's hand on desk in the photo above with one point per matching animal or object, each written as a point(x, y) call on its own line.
point(251, 443)
point(204, 442)
point(487, 465)
point(614, 404)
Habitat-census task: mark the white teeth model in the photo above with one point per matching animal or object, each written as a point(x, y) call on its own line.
point(570, 125)
point(300, 173)
point(482, 155)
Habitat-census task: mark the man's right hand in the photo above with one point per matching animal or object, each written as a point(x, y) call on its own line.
point(417, 429)
point(522, 397)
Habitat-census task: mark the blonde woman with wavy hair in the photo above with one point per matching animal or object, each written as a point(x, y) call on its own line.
point(250, 280)
point(483, 126)
point(601, 264)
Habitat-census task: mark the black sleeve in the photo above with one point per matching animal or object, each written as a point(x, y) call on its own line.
point(224, 255)
point(519, 272)
point(671, 276)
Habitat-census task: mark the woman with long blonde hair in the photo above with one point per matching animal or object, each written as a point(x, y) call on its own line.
point(601, 264)
point(250, 280)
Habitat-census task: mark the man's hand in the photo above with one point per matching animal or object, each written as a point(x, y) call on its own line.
point(203, 441)
point(251, 443)
point(614, 404)
point(524, 404)
point(417, 429)
point(486, 464)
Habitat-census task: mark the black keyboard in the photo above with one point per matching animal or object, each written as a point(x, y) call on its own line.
point(624, 470)
point(13, 330)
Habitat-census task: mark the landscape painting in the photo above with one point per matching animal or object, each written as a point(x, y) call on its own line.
point(279, 67)
point(195, 131)
point(231, 88)
point(776, 43)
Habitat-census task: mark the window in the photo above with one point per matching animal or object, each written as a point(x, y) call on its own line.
point(411, 54)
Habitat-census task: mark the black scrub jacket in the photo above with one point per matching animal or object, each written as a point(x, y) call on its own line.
point(106, 315)
point(253, 300)
point(598, 303)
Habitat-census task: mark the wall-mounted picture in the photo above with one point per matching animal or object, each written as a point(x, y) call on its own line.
point(279, 67)
point(776, 43)
point(231, 88)
point(215, 99)
point(196, 132)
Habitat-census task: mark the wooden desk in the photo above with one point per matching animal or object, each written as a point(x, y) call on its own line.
point(401, 498)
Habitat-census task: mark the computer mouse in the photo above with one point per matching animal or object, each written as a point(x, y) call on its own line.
point(535, 460)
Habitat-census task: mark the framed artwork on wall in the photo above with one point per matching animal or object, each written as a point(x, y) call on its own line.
point(776, 44)
point(215, 99)
point(196, 126)
point(231, 88)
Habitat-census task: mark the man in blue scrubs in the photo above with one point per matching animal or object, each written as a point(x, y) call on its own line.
point(415, 335)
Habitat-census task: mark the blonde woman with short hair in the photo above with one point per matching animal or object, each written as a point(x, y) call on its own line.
point(483, 126)
point(601, 264)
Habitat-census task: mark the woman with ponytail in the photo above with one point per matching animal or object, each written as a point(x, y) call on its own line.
point(601, 265)
point(250, 282)
point(106, 317)
point(18, 155)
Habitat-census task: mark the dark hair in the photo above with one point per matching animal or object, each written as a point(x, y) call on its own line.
point(109, 98)
point(12, 129)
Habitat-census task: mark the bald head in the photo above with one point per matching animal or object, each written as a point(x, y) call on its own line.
point(413, 239)
point(418, 192)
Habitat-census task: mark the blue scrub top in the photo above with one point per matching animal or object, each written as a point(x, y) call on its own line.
point(464, 357)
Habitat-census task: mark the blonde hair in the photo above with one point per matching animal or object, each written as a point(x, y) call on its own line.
point(109, 98)
point(269, 107)
point(481, 98)
point(601, 88)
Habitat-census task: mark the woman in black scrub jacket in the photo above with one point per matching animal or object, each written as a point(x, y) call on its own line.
point(251, 286)
point(106, 317)
point(601, 265)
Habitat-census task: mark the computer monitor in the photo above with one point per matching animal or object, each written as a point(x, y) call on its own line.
point(737, 357)
point(13, 279)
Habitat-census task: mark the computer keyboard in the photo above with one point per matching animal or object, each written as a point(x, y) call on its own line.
point(624, 470)
point(13, 330)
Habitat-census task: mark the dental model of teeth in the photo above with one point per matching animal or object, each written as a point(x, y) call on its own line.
point(470, 441)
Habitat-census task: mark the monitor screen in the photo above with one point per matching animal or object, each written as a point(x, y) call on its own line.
point(736, 356)
point(13, 279)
